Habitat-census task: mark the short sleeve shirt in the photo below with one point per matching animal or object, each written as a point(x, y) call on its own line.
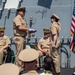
point(4, 41)
point(44, 43)
point(17, 21)
point(55, 28)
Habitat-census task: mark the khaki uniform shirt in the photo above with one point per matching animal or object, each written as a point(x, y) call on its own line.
point(33, 72)
point(55, 29)
point(4, 41)
point(17, 21)
point(44, 43)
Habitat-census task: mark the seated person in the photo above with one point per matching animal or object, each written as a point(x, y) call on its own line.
point(44, 45)
point(4, 43)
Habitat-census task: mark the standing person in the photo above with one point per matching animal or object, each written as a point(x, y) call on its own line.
point(4, 44)
point(20, 32)
point(55, 29)
point(29, 56)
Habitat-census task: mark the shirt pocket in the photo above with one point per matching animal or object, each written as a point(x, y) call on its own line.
point(23, 22)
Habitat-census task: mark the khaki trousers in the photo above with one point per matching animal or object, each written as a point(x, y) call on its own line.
point(39, 62)
point(1, 56)
point(56, 58)
point(42, 54)
point(20, 44)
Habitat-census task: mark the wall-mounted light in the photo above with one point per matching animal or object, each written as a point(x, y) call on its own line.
point(32, 21)
point(31, 18)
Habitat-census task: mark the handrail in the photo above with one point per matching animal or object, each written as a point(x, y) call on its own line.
point(37, 38)
point(62, 47)
point(64, 50)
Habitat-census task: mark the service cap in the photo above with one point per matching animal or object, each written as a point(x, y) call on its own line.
point(46, 30)
point(21, 9)
point(28, 55)
point(2, 28)
point(54, 15)
point(9, 69)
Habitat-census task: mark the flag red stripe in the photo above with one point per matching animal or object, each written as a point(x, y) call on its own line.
point(73, 25)
point(71, 43)
point(73, 20)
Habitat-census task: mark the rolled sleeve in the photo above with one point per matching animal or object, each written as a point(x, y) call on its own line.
point(17, 22)
point(54, 30)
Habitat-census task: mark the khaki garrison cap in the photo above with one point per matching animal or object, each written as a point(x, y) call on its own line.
point(54, 15)
point(21, 9)
point(46, 30)
point(28, 55)
point(9, 69)
point(2, 28)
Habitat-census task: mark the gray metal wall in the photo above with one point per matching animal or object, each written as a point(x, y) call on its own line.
point(40, 11)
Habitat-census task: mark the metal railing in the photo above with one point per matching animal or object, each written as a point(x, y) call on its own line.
point(62, 48)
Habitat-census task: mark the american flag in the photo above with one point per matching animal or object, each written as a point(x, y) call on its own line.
point(72, 31)
point(73, 22)
point(72, 43)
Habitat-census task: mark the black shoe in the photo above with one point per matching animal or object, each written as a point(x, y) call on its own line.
point(57, 73)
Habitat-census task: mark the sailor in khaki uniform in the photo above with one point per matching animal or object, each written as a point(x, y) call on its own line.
point(4, 43)
point(20, 32)
point(44, 43)
point(29, 56)
point(9, 69)
point(55, 29)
